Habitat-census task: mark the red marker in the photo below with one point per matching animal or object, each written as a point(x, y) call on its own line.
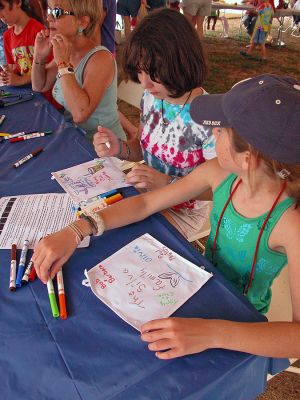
point(30, 136)
point(61, 295)
point(32, 274)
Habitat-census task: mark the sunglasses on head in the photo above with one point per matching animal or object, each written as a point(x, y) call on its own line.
point(58, 12)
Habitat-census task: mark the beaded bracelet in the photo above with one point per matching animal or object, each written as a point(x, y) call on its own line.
point(77, 231)
point(64, 64)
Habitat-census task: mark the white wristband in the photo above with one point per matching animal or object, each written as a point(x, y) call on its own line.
point(98, 221)
point(65, 71)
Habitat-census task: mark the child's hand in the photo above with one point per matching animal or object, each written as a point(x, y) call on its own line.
point(61, 49)
point(106, 143)
point(12, 79)
point(144, 177)
point(177, 337)
point(42, 45)
point(52, 252)
point(3, 76)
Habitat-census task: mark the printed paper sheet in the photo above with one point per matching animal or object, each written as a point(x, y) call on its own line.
point(33, 217)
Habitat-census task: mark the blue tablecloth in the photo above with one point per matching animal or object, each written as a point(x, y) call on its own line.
point(94, 355)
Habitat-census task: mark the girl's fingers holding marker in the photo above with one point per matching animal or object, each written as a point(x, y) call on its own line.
point(52, 252)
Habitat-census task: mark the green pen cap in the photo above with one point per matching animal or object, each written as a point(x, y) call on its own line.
point(53, 305)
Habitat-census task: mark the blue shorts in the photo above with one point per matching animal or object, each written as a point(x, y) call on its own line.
point(259, 37)
point(156, 4)
point(128, 8)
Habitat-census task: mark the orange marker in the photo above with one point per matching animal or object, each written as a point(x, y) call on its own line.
point(61, 295)
point(113, 199)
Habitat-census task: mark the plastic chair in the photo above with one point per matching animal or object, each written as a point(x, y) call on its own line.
point(203, 232)
point(130, 92)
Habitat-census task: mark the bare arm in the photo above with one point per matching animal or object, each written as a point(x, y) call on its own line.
point(273, 339)
point(184, 336)
point(117, 148)
point(53, 251)
point(98, 76)
point(43, 75)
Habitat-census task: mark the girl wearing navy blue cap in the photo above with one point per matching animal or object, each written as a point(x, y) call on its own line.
point(255, 221)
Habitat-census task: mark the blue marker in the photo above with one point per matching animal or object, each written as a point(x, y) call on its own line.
point(22, 262)
point(108, 194)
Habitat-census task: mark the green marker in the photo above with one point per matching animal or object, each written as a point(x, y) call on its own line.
point(52, 299)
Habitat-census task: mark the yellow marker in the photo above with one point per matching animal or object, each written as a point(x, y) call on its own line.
point(4, 134)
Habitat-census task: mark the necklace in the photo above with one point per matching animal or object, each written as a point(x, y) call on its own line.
point(164, 121)
point(246, 287)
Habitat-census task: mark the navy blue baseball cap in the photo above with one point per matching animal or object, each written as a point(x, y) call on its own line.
point(263, 110)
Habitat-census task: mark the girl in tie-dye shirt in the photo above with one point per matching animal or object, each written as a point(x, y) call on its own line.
point(171, 144)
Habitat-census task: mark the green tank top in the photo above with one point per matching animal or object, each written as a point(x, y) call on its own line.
point(236, 244)
point(106, 113)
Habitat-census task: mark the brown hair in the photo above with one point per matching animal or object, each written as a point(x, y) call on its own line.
point(167, 47)
point(272, 167)
point(89, 8)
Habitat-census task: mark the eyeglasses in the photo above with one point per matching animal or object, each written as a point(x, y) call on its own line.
point(58, 12)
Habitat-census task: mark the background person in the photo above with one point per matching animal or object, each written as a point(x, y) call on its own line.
point(84, 74)
point(128, 9)
point(195, 11)
point(262, 29)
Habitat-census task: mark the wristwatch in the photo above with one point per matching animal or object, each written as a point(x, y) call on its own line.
point(65, 71)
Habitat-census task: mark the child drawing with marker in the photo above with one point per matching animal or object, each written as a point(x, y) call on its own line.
point(255, 221)
point(169, 141)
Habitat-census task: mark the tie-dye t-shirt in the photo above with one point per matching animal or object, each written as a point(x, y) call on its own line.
point(264, 17)
point(182, 146)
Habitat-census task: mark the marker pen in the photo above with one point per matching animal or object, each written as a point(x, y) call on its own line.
point(108, 194)
point(27, 272)
point(30, 136)
point(61, 295)
point(28, 157)
point(2, 118)
point(32, 275)
point(13, 268)
point(52, 298)
point(18, 134)
point(22, 262)
point(13, 135)
point(113, 199)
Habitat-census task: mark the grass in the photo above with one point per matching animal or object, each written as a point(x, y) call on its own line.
point(227, 66)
